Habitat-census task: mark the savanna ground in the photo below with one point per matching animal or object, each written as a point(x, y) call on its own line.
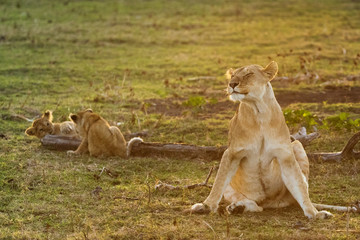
point(134, 62)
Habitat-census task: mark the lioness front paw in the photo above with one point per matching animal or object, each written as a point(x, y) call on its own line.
point(323, 215)
point(199, 208)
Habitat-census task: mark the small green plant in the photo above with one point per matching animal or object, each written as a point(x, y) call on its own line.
point(340, 122)
point(300, 117)
point(195, 102)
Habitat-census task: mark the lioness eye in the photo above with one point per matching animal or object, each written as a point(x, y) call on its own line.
point(248, 75)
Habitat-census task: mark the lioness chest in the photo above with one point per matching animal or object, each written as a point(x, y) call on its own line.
point(259, 175)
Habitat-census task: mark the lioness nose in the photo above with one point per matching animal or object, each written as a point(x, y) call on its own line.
point(233, 85)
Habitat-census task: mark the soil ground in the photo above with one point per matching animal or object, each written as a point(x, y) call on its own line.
point(173, 106)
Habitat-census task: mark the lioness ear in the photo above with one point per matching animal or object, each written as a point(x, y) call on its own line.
point(271, 70)
point(30, 131)
point(229, 73)
point(89, 110)
point(73, 117)
point(48, 115)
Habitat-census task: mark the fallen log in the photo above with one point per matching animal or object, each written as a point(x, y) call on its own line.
point(176, 150)
point(145, 149)
point(185, 151)
point(60, 143)
point(63, 143)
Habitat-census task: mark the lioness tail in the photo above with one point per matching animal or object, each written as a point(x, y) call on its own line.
point(131, 143)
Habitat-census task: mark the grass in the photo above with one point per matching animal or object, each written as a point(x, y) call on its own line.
point(132, 61)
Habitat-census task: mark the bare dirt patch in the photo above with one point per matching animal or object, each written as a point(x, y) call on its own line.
point(173, 106)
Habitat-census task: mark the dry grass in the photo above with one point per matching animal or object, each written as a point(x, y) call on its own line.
point(131, 61)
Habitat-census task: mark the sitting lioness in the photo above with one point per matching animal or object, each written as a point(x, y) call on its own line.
point(261, 167)
point(98, 137)
point(44, 126)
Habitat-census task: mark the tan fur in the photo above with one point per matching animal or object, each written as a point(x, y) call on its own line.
point(261, 167)
point(98, 137)
point(44, 126)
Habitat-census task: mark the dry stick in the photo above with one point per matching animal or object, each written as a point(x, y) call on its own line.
point(124, 78)
point(149, 189)
point(354, 208)
point(303, 137)
point(26, 99)
point(347, 152)
point(166, 186)
point(127, 198)
point(103, 169)
point(85, 236)
point(347, 224)
point(207, 224)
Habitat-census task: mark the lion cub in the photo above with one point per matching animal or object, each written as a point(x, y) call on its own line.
point(44, 126)
point(98, 137)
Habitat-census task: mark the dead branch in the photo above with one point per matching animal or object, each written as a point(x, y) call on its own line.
point(127, 198)
point(165, 186)
point(355, 208)
point(303, 137)
point(347, 152)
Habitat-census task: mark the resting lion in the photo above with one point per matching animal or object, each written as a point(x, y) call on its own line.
point(44, 126)
point(98, 137)
point(261, 167)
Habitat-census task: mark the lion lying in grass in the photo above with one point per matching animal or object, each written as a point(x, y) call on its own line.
point(44, 126)
point(98, 137)
point(261, 167)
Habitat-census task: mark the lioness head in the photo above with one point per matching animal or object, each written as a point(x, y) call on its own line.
point(249, 83)
point(41, 126)
point(82, 120)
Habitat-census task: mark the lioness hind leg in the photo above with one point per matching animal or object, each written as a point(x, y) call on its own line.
point(247, 205)
point(301, 158)
point(239, 203)
point(287, 198)
point(298, 189)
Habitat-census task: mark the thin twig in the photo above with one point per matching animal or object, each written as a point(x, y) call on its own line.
point(209, 175)
point(167, 186)
point(26, 99)
point(124, 78)
point(207, 224)
point(149, 189)
point(347, 223)
point(103, 169)
point(127, 198)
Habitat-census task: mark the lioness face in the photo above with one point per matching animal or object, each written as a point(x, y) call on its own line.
point(41, 126)
point(249, 83)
